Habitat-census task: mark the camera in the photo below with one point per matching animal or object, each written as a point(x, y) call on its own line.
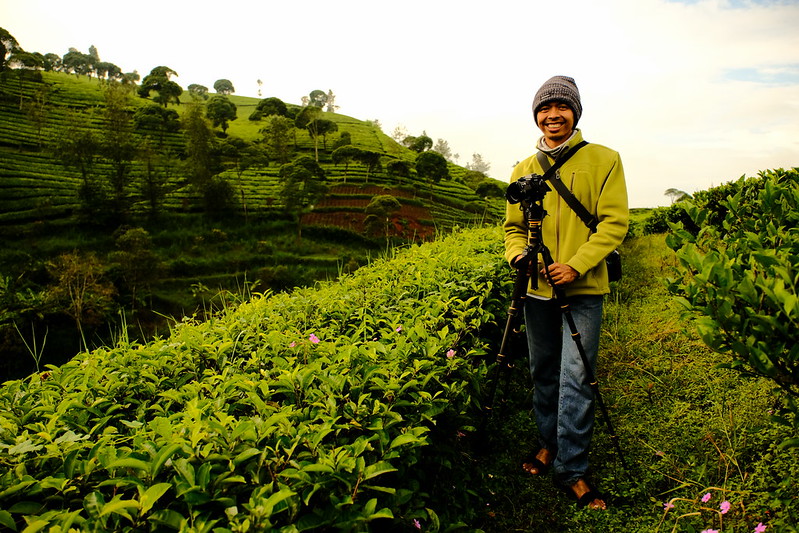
point(531, 187)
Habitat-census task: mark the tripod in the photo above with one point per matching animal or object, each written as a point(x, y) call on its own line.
point(534, 214)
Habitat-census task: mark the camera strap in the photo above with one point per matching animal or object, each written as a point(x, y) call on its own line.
point(553, 177)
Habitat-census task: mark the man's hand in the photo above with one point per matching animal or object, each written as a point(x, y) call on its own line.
point(561, 273)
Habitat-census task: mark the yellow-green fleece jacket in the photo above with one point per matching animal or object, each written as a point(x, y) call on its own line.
point(596, 178)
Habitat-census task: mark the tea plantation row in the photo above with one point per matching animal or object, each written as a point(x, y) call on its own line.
point(312, 410)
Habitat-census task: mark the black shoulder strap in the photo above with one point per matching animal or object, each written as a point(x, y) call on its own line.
point(561, 187)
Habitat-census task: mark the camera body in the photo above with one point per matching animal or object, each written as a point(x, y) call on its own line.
point(531, 187)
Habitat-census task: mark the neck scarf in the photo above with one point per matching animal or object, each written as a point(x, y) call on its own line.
point(559, 149)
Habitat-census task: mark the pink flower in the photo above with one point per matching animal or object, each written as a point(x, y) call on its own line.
point(293, 344)
point(399, 328)
point(417, 524)
point(760, 528)
point(450, 353)
point(725, 506)
point(710, 531)
point(706, 498)
point(667, 506)
point(314, 339)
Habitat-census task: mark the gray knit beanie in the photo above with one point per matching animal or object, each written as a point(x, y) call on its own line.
point(560, 89)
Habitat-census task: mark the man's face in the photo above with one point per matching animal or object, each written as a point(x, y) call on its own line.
point(556, 121)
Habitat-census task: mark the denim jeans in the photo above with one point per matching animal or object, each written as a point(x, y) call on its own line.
point(563, 401)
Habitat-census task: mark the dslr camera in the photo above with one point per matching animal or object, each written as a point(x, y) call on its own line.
point(531, 187)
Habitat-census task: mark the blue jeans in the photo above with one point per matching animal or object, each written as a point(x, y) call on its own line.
point(563, 401)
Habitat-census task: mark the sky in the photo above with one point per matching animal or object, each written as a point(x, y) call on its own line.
point(691, 93)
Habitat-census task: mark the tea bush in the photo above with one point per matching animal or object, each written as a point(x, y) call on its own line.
point(310, 410)
point(739, 276)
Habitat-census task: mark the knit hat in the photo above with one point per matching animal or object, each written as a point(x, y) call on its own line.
point(559, 89)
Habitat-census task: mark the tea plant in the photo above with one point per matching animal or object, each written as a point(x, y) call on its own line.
point(739, 278)
point(327, 408)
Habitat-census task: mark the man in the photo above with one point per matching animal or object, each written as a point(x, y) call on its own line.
point(562, 398)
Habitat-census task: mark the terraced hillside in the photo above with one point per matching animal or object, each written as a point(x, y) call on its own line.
point(36, 185)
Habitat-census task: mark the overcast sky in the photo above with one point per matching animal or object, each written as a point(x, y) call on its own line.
point(692, 93)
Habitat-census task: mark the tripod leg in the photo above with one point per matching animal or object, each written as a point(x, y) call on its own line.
point(503, 360)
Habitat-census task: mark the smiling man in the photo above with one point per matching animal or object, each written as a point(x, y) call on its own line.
point(563, 401)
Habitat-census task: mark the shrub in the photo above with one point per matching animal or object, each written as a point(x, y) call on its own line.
point(738, 277)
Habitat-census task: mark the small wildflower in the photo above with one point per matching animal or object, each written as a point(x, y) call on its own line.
point(314, 339)
point(710, 531)
point(725, 506)
point(706, 498)
point(417, 524)
point(760, 528)
point(399, 329)
point(450, 353)
point(667, 506)
point(293, 344)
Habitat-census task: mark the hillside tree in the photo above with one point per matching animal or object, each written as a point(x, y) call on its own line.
point(303, 187)
point(344, 139)
point(308, 119)
point(419, 144)
point(345, 155)
point(369, 159)
point(201, 161)
point(107, 71)
point(379, 213)
point(676, 194)
point(138, 265)
point(154, 179)
point(317, 98)
point(269, 106)
point(399, 168)
point(324, 128)
point(240, 155)
point(130, 79)
point(277, 134)
point(77, 147)
point(433, 167)
point(27, 65)
point(442, 147)
point(81, 289)
point(75, 61)
point(154, 119)
point(330, 104)
point(224, 87)
point(220, 110)
point(36, 109)
point(158, 80)
point(52, 62)
point(479, 164)
point(400, 133)
point(118, 145)
point(8, 44)
point(198, 92)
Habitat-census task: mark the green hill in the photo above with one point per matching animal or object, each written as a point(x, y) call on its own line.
point(36, 185)
point(62, 143)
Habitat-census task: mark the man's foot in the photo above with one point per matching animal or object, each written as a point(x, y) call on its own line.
point(538, 464)
point(588, 496)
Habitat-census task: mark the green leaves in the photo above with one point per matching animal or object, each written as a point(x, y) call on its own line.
point(298, 411)
point(740, 276)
